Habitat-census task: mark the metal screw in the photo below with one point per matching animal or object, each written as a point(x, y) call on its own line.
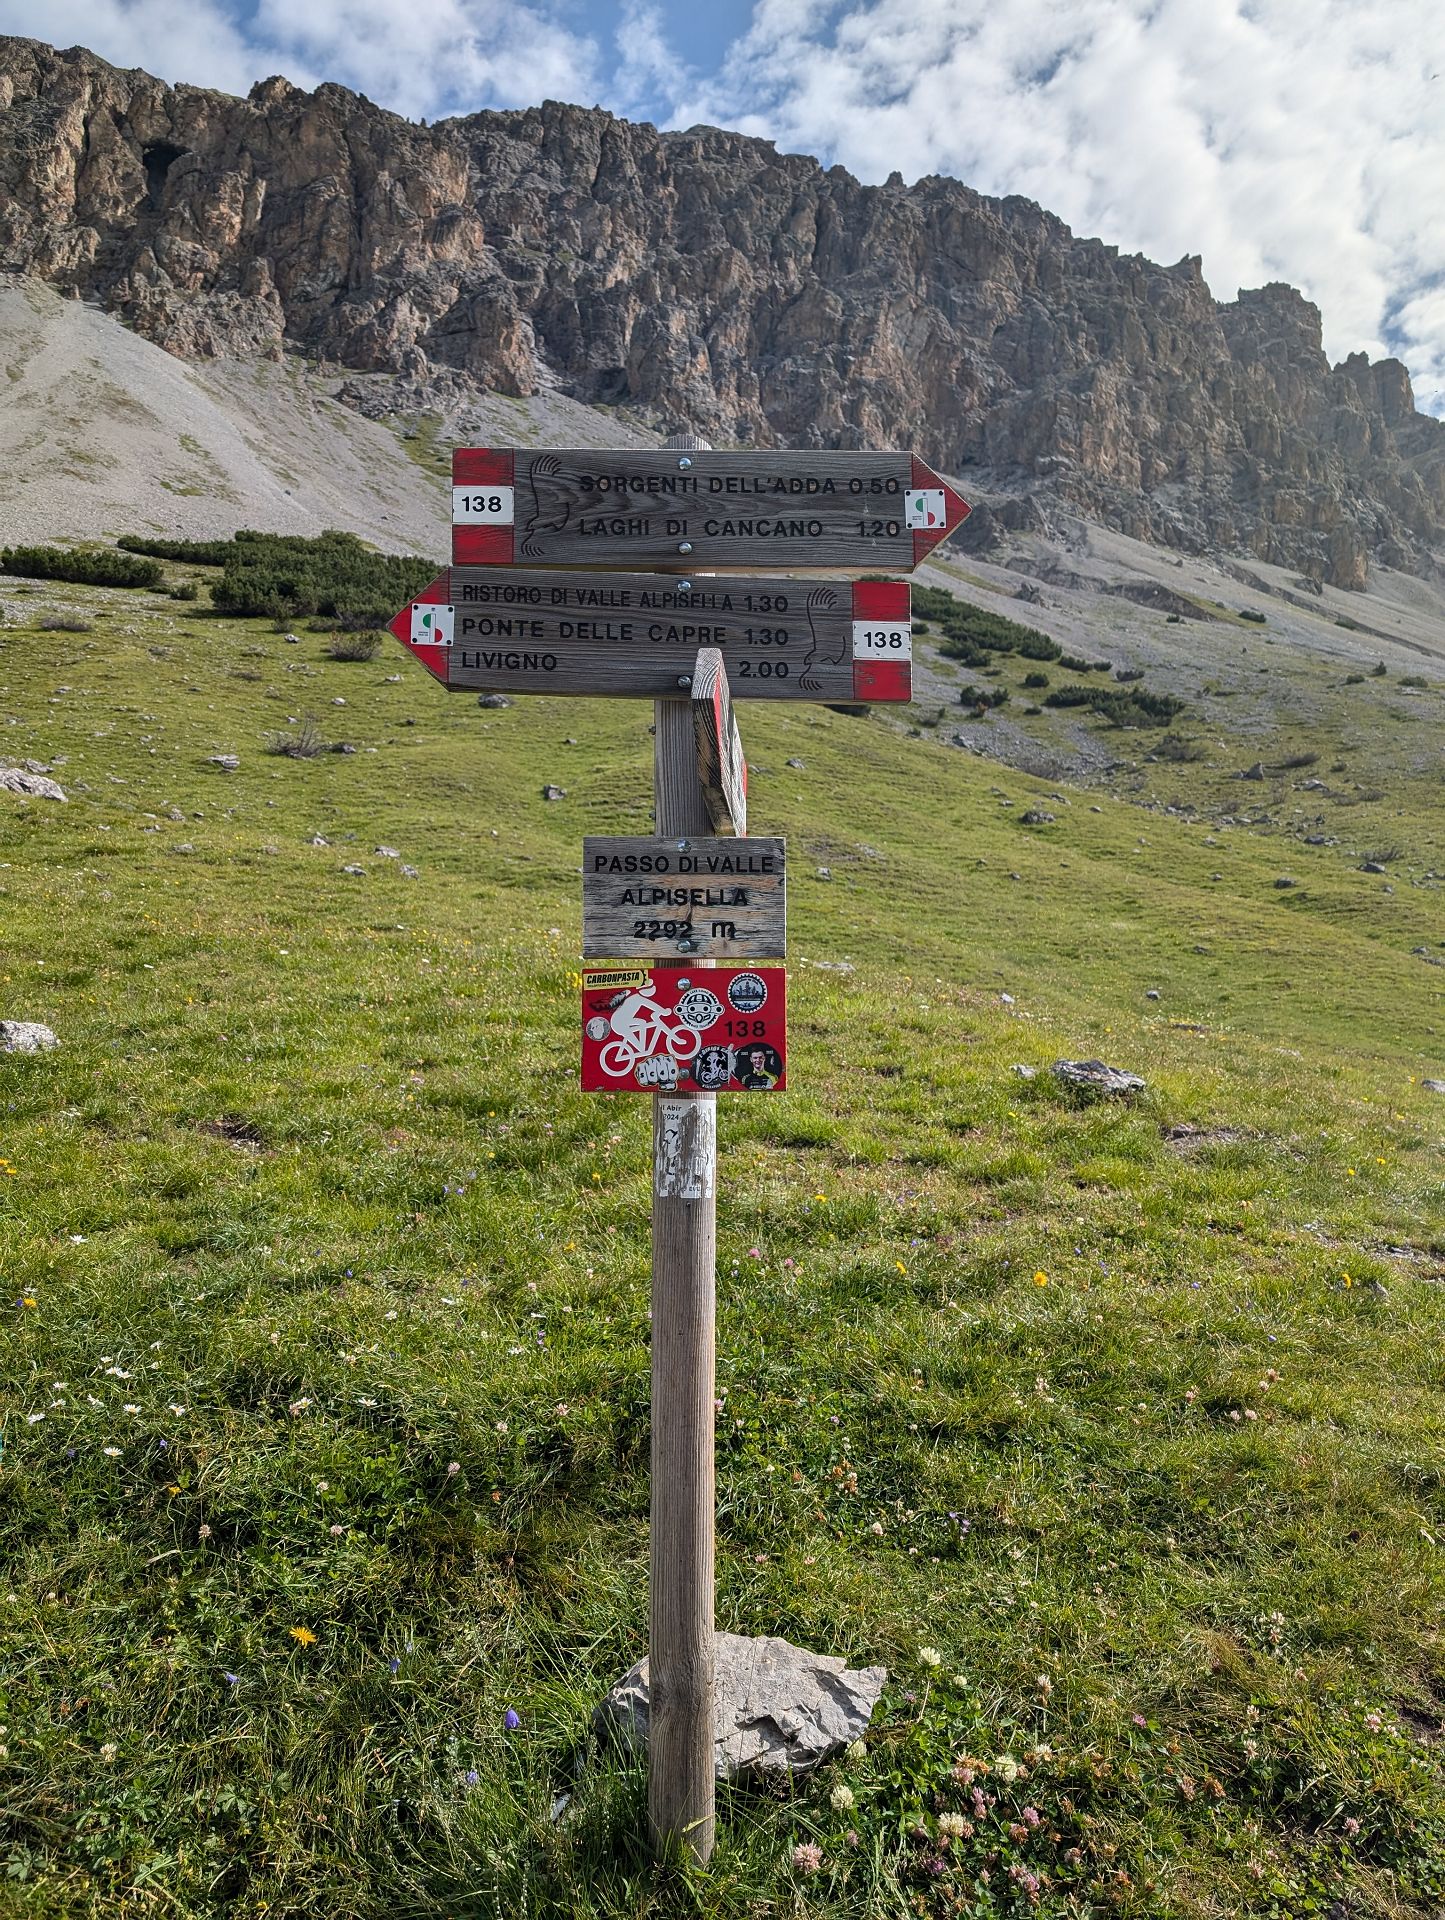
point(684, 679)
point(684, 463)
point(684, 586)
point(686, 946)
point(683, 845)
point(684, 546)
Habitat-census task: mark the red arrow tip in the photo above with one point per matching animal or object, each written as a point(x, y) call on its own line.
point(409, 629)
point(944, 509)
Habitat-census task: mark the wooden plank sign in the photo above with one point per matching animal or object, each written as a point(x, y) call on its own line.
point(721, 767)
point(720, 898)
point(861, 512)
point(656, 1029)
point(485, 630)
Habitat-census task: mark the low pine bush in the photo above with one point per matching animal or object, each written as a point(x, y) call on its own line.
point(195, 553)
point(81, 566)
point(285, 577)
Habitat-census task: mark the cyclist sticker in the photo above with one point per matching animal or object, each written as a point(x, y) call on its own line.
point(665, 1029)
point(713, 1068)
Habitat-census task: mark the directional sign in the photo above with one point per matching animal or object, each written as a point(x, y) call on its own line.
point(860, 512)
point(721, 766)
point(721, 898)
point(485, 630)
point(653, 1029)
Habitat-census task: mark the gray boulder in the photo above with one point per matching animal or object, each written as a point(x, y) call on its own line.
point(1433, 1086)
point(31, 786)
point(778, 1708)
point(227, 762)
point(26, 1036)
point(1092, 1076)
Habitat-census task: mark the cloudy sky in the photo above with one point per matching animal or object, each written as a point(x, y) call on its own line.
point(1299, 140)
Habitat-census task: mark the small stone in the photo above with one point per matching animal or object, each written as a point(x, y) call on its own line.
point(227, 762)
point(1025, 1073)
point(342, 746)
point(493, 700)
point(319, 840)
point(1433, 1086)
point(391, 679)
point(550, 792)
point(1036, 817)
point(1152, 994)
point(1093, 1076)
point(825, 873)
point(1256, 772)
point(797, 764)
point(387, 853)
point(337, 701)
point(1007, 999)
point(26, 1036)
point(777, 1708)
point(174, 813)
point(293, 640)
point(1372, 866)
point(357, 872)
point(410, 873)
point(1285, 880)
point(183, 846)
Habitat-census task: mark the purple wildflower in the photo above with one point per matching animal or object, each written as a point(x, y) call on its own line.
point(511, 1720)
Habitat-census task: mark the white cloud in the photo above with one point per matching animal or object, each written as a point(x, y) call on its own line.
point(178, 40)
point(648, 66)
point(436, 55)
point(1301, 140)
point(419, 58)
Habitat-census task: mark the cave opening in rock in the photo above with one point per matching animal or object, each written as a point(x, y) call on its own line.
point(158, 161)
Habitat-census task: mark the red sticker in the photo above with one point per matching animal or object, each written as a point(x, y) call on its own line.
point(689, 1029)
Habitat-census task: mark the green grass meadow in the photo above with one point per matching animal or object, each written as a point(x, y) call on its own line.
point(1115, 1432)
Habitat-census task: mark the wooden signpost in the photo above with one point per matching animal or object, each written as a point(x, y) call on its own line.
point(485, 630)
point(721, 766)
point(683, 629)
point(720, 899)
point(863, 512)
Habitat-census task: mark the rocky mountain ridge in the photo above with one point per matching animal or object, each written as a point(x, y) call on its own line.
point(704, 278)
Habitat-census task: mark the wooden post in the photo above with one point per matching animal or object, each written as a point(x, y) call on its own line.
point(681, 1788)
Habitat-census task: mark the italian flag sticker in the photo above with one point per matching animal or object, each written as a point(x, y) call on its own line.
point(431, 626)
point(924, 507)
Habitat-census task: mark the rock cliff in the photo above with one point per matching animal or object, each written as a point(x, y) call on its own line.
point(702, 277)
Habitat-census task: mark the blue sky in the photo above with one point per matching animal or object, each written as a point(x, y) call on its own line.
point(1299, 140)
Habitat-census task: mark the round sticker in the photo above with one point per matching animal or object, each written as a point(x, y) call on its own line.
point(748, 992)
point(699, 1008)
point(757, 1065)
point(597, 1028)
point(713, 1067)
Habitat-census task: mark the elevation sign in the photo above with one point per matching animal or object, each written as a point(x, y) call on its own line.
point(484, 630)
point(860, 512)
point(653, 897)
